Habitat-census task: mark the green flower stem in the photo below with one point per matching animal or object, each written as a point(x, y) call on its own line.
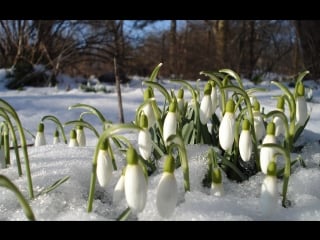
point(58, 123)
point(6, 106)
point(14, 139)
point(234, 75)
point(83, 124)
point(246, 98)
point(161, 89)
point(6, 143)
point(155, 72)
point(196, 109)
point(287, 168)
point(176, 140)
point(290, 98)
point(299, 80)
point(93, 111)
point(212, 157)
point(5, 182)
point(109, 132)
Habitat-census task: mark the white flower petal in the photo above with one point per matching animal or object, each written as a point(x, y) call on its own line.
point(118, 192)
point(245, 145)
point(301, 110)
point(214, 100)
point(144, 143)
point(148, 111)
point(226, 131)
point(73, 142)
point(169, 125)
point(56, 140)
point(205, 109)
point(81, 137)
point(167, 195)
point(269, 195)
point(259, 126)
point(217, 189)
point(40, 139)
point(135, 187)
point(104, 168)
point(266, 153)
point(180, 102)
point(280, 129)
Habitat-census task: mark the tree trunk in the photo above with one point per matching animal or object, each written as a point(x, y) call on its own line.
point(220, 31)
point(309, 35)
point(173, 48)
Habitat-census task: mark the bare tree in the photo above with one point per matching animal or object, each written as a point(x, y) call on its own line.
point(309, 36)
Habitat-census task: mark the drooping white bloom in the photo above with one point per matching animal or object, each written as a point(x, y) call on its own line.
point(259, 126)
point(217, 188)
point(40, 137)
point(56, 138)
point(147, 108)
point(245, 141)
point(214, 98)
point(269, 192)
point(205, 110)
point(167, 194)
point(267, 153)
point(170, 122)
point(81, 137)
point(73, 142)
point(226, 128)
point(180, 100)
point(118, 192)
point(167, 189)
point(280, 128)
point(104, 166)
point(144, 138)
point(135, 183)
point(301, 110)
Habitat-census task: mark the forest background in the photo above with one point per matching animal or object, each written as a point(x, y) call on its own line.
point(253, 48)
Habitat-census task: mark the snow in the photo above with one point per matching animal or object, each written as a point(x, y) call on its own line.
point(69, 201)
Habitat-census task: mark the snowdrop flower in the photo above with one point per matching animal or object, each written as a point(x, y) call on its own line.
point(135, 183)
point(144, 138)
point(73, 139)
point(147, 109)
point(269, 191)
point(170, 122)
point(118, 192)
point(167, 189)
point(259, 127)
point(245, 142)
point(216, 185)
point(40, 137)
point(214, 98)
point(267, 153)
point(81, 137)
point(227, 125)
point(104, 166)
point(56, 138)
point(280, 128)
point(301, 106)
point(180, 100)
point(206, 105)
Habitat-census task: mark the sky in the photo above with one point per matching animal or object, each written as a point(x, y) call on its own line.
point(48, 163)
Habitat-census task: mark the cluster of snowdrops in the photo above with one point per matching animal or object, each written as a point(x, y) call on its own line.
point(243, 140)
